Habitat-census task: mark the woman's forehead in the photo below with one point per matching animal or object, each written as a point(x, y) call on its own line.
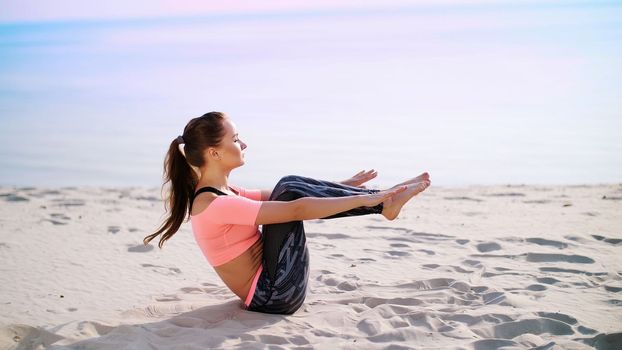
point(229, 127)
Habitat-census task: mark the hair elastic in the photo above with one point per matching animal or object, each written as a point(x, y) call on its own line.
point(180, 139)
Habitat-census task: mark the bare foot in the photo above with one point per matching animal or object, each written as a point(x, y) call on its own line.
point(393, 206)
point(423, 177)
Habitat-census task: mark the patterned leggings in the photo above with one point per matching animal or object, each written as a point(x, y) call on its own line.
point(282, 285)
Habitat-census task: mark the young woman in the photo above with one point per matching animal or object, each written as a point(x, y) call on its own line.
point(268, 270)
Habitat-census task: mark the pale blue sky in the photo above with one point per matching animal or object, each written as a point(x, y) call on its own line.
point(472, 91)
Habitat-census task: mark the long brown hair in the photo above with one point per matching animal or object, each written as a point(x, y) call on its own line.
point(199, 134)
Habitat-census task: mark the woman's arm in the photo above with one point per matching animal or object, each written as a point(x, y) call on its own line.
point(265, 195)
point(308, 208)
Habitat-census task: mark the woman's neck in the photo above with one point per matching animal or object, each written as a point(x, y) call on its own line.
point(217, 180)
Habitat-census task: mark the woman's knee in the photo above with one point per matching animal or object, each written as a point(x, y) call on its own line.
point(289, 178)
point(286, 182)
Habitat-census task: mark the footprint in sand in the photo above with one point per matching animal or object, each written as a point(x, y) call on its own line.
point(329, 235)
point(436, 283)
point(558, 316)
point(163, 269)
point(49, 192)
point(147, 198)
point(58, 219)
point(585, 330)
point(463, 198)
point(472, 263)
point(430, 266)
point(547, 280)
point(396, 254)
point(513, 329)
point(491, 274)
point(536, 287)
point(60, 216)
point(575, 259)
point(460, 269)
point(538, 201)
point(614, 241)
point(505, 194)
point(578, 272)
point(399, 245)
point(167, 297)
point(487, 247)
point(432, 236)
point(493, 298)
point(612, 289)
point(55, 222)
point(541, 257)
point(403, 239)
point(69, 202)
point(547, 242)
point(346, 286)
point(11, 197)
point(428, 252)
point(140, 248)
point(113, 229)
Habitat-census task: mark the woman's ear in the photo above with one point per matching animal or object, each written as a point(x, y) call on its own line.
point(213, 153)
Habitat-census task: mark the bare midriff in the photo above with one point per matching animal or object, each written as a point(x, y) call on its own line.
point(238, 273)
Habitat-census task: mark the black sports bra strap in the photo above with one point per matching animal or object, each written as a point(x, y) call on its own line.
point(209, 189)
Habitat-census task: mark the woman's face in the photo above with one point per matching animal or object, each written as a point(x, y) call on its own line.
point(231, 150)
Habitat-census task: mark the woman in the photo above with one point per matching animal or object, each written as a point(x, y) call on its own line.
point(268, 270)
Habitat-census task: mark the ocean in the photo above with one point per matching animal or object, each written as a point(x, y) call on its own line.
point(505, 93)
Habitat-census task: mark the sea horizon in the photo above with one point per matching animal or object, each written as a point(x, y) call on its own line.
point(475, 94)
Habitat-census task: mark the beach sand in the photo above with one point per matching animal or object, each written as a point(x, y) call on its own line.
point(477, 267)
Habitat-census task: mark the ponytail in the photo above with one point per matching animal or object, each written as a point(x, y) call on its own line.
point(183, 180)
point(184, 151)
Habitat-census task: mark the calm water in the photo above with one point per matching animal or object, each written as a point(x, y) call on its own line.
point(473, 94)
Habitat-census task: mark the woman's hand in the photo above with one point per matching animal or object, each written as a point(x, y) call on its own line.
point(361, 177)
point(373, 199)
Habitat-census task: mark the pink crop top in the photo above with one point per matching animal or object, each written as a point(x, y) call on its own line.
point(226, 228)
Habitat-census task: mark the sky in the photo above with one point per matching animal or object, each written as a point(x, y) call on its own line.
point(471, 91)
point(63, 10)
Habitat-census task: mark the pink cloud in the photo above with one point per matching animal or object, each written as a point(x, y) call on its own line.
point(35, 10)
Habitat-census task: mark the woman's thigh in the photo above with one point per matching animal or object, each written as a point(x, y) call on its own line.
point(293, 187)
point(284, 291)
point(316, 185)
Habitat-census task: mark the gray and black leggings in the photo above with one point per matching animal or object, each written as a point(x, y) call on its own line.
point(282, 285)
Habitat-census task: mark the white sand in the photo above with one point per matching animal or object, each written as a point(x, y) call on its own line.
point(461, 268)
